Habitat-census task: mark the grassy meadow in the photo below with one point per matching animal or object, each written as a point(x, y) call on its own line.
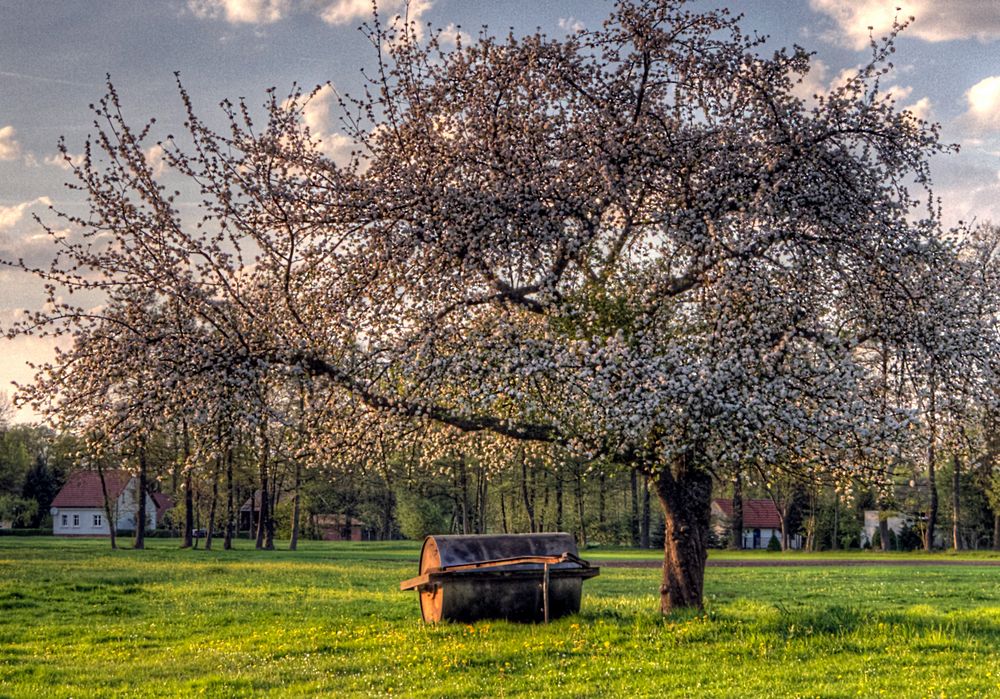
point(80, 620)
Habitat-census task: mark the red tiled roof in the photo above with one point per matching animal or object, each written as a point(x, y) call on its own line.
point(83, 489)
point(760, 514)
point(163, 503)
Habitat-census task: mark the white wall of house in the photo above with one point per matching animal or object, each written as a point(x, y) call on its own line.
point(91, 521)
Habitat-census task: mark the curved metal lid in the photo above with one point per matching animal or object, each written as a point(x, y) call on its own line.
point(454, 550)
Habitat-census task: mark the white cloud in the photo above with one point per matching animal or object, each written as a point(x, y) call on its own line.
point(935, 20)
point(983, 101)
point(10, 149)
point(10, 216)
point(336, 12)
point(571, 24)
point(453, 34)
point(59, 161)
point(156, 158)
point(317, 115)
point(921, 109)
point(240, 11)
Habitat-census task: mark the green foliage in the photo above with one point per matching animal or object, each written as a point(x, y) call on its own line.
point(774, 544)
point(19, 511)
point(419, 516)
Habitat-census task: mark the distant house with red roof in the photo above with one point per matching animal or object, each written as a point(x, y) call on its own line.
point(760, 522)
point(78, 509)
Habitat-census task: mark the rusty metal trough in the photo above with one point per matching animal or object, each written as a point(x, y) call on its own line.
point(520, 577)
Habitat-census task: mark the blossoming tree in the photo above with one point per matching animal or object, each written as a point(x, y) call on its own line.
point(635, 244)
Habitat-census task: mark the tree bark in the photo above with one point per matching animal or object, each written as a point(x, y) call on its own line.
point(293, 543)
point(227, 541)
point(996, 531)
point(932, 510)
point(685, 494)
point(634, 504)
point(215, 499)
point(956, 492)
point(736, 525)
point(579, 507)
point(188, 489)
point(265, 522)
point(883, 531)
point(644, 522)
point(526, 495)
point(112, 523)
point(140, 517)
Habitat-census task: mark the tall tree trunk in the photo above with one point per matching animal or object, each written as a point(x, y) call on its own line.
point(996, 531)
point(835, 542)
point(108, 510)
point(685, 494)
point(736, 525)
point(265, 522)
point(227, 542)
point(633, 484)
point(503, 514)
point(140, 517)
point(560, 524)
point(601, 519)
point(216, 472)
point(883, 531)
point(293, 543)
point(579, 507)
point(932, 510)
point(188, 489)
point(956, 493)
point(528, 505)
point(644, 523)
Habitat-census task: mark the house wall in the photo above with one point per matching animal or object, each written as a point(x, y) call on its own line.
point(127, 507)
point(79, 521)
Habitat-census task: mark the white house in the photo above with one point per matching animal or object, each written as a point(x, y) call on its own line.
point(760, 522)
point(78, 509)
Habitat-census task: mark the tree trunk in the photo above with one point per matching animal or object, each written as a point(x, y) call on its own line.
point(112, 523)
point(503, 514)
point(956, 492)
point(736, 526)
point(835, 542)
point(188, 490)
point(634, 506)
point(265, 522)
point(996, 531)
point(216, 472)
point(293, 543)
point(559, 500)
point(644, 522)
point(686, 497)
point(528, 505)
point(883, 531)
point(932, 510)
point(579, 507)
point(140, 517)
point(227, 542)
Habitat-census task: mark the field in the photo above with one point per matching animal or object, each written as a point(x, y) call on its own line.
point(80, 620)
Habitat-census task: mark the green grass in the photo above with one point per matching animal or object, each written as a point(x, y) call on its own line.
point(77, 619)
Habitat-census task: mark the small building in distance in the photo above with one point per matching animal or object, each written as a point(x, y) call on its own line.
point(760, 522)
point(334, 527)
point(78, 508)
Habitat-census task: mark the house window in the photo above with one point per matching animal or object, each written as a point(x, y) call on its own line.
point(65, 520)
point(97, 520)
point(76, 520)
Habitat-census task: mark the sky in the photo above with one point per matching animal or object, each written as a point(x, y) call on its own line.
point(55, 56)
